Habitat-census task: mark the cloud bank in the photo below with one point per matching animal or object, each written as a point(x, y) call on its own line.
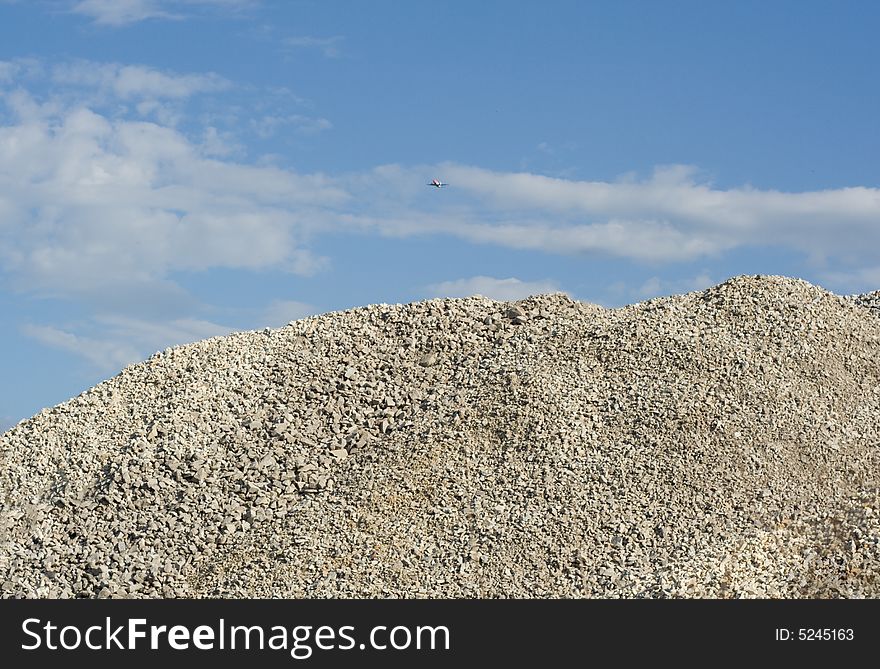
point(90, 202)
point(670, 216)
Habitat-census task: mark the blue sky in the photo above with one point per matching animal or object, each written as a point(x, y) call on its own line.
point(174, 170)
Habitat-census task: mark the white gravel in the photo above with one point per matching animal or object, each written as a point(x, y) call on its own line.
point(722, 443)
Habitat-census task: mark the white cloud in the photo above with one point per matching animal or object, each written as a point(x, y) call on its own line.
point(131, 82)
point(118, 13)
point(672, 216)
point(640, 240)
point(122, 12)
point(647, 241)
point(496, 289)
point(20, 70)
point(650, 288)
point(104, 354)
point(115, 87)
point(655, 286)
point(217, 143)
point(280, 312)
point(227, 4)
point(267, 126)
point(327, 45)
point(853, 280)
point(8, 71)
point(110, 343)
point(92, 203)
point(159, 335)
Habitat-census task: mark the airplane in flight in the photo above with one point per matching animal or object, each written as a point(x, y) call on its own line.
point(437, 183)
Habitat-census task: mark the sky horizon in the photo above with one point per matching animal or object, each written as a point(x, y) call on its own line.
point(172, 170)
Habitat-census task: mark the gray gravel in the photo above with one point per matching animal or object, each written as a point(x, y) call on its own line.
point(722, 443)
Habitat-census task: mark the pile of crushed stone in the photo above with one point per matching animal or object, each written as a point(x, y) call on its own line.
point(722, 443)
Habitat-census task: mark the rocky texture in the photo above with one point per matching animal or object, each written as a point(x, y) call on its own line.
point(722, 443)
point(870, 300)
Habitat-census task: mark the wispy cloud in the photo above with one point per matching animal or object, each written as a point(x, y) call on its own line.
point(129, 82)
point(671, 216)
point(104, 354)
point(552, 149)
point(8, 70)
point(113, 342)
point(157, 335)
point(122, 12)
point(268, 126)
point(20, 69)
point(853, 279)
point(233, 5)
point(117, 13)
point(655, 286)
point(329, 46)
point(281, 312)
point(118, 89)
point(487, 286)
point(220, 144)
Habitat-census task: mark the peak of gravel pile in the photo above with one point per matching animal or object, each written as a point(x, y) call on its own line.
point(721, 443)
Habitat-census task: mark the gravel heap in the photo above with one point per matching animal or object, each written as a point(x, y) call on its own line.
point(870, 300)
point(722, 443)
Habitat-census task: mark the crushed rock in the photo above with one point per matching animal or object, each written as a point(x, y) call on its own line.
point(721, 443)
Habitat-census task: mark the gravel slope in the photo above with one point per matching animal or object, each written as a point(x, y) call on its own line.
point(722, 443)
